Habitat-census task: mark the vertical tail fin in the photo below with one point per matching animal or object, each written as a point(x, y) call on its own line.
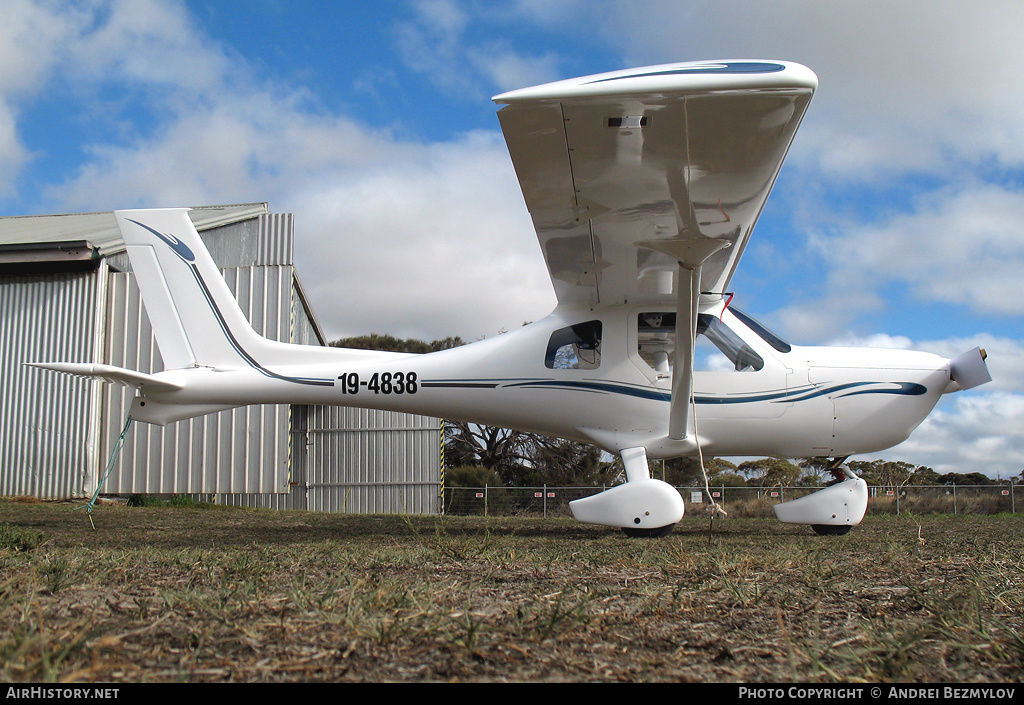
point(195, 317)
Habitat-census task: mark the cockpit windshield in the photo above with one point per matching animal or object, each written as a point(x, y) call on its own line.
point(718, 347)
point(763, 333)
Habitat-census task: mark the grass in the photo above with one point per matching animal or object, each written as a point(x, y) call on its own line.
point(14, 539)
point(172, 594)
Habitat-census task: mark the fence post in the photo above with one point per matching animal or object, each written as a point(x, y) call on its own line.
point(954, 499)
point(544, 500)
point(897, 501)
point(485, 499)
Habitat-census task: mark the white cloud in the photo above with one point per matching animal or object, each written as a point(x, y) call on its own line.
point(153, 43)
point(439, 42)
point(31, 41)
point(816, 319)
point(507, 69)
point(153, 46)
point(903, 85)
point(247, 144)
point(440, 246)
point(969, 432)
point(875, 340)
point(13, 154)
point(554, 15)
point(389, 232)
point(958, 246)
point(955, 246)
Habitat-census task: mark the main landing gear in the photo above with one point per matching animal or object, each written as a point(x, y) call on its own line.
point(647, 508)
point(642, 507)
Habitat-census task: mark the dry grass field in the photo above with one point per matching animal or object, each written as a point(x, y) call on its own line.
point(171, 594)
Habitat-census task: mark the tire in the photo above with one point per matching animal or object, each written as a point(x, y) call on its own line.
point(648, 533)
point(831, 529)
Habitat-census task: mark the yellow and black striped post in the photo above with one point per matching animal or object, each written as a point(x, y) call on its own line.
point(441, 496)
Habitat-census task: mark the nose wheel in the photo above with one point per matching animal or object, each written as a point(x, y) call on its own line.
point(831, 530)
point(831, 511)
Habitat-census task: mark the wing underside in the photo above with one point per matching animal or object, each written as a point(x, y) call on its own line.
point(644, 185)
point(630, 174)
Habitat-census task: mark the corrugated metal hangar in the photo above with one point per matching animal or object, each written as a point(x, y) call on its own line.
point(67, 294)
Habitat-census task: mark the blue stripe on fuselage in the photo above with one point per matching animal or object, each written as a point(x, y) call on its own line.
point(782, 396)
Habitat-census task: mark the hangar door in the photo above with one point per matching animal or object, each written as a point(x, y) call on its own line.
point(365, 461)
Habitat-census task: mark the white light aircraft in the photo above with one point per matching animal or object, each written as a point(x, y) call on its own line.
point(644, 186)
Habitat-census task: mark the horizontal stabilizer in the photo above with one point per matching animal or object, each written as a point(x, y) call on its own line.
point(112, 374)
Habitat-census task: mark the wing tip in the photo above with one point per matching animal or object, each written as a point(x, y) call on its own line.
point(681, 76)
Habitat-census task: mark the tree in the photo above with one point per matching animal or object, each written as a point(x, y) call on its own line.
point(971, 478)
point(501, 450)
point(389, 343)
point(893, 473)
point(682, 472)
point(470, 476)
point(924, 476)
point(729, 479)
point(563, 462)
point(814, 472)
point(769, 472)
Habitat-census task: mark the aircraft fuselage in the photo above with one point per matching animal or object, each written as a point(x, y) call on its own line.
point(800, 402)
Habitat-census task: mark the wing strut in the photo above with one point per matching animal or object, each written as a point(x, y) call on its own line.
point(691, 252)
point(687, 298)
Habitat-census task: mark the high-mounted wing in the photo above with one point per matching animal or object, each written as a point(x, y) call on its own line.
point(644, 185)
point(631, 174)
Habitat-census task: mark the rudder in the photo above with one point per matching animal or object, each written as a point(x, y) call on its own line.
point(195, 317)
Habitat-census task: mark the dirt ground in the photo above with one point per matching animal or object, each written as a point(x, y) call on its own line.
point(231, 595)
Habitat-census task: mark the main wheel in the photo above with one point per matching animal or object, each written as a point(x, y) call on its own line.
point(831, 529)
point(648, 533)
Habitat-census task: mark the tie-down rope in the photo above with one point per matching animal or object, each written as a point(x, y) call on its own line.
point(110, 466)
point(714, 508)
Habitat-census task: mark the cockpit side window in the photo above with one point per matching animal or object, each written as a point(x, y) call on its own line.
point(718, 347)
point(576, 347)
point(656, 337)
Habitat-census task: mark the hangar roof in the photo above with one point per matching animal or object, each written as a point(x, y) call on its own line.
point(100, 231)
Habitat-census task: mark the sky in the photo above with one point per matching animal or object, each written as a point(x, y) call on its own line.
point(895, 221)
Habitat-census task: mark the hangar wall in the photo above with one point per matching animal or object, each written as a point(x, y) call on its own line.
point(57, 431)
point(240, 450)
point(47, 424)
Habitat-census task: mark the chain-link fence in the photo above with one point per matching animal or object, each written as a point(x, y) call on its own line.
point(740, 501)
